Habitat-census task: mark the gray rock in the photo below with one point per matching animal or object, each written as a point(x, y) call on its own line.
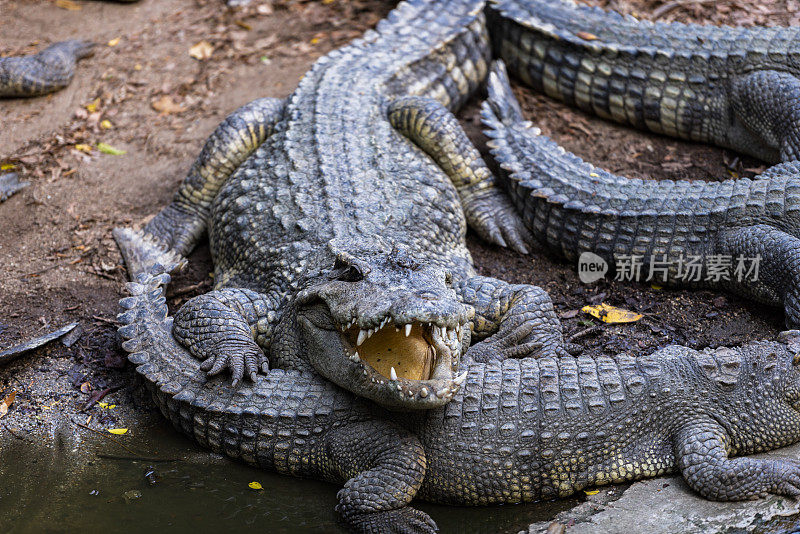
point(667, 505)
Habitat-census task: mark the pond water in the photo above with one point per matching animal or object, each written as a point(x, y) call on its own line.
point(58, 489)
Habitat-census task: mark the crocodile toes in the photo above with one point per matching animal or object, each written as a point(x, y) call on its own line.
point(405, 520)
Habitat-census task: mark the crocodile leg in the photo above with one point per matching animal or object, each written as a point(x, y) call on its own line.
point(435, 130)
point(175, 231)
point(778, 254)
point(702, 457)
point(513, 321)
point(384, 467)
point(227, 329)
point(766, 107)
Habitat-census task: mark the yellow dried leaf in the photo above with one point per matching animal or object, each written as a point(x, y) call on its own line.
point(586, 36)
point(92, 107)
point(315, 40)
point(84, 148)
point(255, 486)
point(656, 286)
point(6, 404)
point(165, 104)
point(7, 167)
point(243, 24)
point(137, 67)
point(591, 492)
point(118, 431)
point(108, 149)
point(106, 124)
point(610, 314)
point(202, 50)
point(114, 41)
point(68, 5)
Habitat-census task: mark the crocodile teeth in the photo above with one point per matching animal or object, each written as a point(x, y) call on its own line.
point(370, 332)
point(440, 393)
point(393, 374)
point(408, 329)
point(355, 358)
point(362, 336)
point(423, 392)
point(460, 378)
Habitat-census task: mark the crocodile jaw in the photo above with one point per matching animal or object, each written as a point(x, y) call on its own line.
point(415, 371)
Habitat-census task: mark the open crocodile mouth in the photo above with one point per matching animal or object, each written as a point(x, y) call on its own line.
point(419, 358)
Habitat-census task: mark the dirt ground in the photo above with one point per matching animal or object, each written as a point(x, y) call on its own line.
point(142, 92)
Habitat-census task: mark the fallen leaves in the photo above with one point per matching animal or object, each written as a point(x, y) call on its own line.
point(84, 148)
point(202, 50)
point(165, 105)
point(6, 403)
point(610, 314)
point(114, 42)
point(118, 431)
point(255, 486)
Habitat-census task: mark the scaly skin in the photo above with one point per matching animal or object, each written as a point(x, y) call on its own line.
point(10, 184)
point(519, 430)
point(315, 253)
point(733, 87)
point(574, 207)
point(48, 71)
point(337, 223)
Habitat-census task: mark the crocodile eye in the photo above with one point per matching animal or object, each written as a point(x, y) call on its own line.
point(448, 279)
point(347, 272)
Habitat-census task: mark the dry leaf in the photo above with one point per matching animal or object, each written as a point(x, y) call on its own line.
point(118, 431)
point(591, 492)
point(610, 314)
point(106, 124)
point(202, 50)
point(86, 387)
point(6, 404)
point(84, 148)
point(165, 104)
point(255, 486)
point(68, 4)
point(586, 36)
point(114, 41)
point(7, 167)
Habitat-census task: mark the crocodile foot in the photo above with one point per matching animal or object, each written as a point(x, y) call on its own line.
point(404, 520)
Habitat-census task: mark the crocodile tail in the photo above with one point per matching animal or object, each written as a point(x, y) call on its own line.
point(142, 252)
point(502, 103)
point(218, 416)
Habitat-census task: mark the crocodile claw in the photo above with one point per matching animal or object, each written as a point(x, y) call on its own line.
point(404, 520)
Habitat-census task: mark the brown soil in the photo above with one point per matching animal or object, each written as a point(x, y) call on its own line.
point(59, 263)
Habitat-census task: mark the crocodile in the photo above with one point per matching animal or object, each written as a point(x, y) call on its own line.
point(733, 87)
point(50, 70)
point(337, 220)
point(739, 235)
point(520, 429)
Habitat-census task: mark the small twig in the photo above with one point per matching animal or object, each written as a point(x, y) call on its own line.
point(670, 6)
point(107, 321)
point(187, 289)
point(135, 458)
point(10, 431)
point(107, 436)
point(584, 333)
